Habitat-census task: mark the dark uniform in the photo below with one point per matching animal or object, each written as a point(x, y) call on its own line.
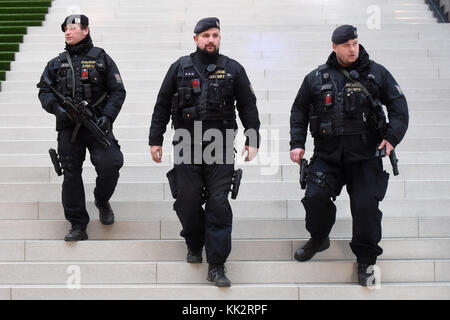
point(95, 79)
point(345, 125)
point(193, 92)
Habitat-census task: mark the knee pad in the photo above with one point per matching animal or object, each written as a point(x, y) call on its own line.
point(70, 163)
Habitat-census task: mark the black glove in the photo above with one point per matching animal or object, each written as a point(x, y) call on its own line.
point(62, 115)
point(104, 122)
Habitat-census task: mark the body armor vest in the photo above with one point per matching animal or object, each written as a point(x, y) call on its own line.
point(203, 95)
point(337, 113)
point(82, 78)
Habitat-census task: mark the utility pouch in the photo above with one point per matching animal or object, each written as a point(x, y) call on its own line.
point(326, 129)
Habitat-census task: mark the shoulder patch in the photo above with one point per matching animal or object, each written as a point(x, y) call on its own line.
point(400, 91)
point(118, 78)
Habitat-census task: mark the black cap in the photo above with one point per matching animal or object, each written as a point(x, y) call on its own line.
point(344, 33)
point(75, 18)
point(205, 24)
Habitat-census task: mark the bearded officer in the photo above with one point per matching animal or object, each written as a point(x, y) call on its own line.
point(204, 89)
point(339, 102)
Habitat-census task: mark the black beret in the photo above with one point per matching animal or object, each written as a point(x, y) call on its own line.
point(344, 33)
point(205, 24)
point(75, 18)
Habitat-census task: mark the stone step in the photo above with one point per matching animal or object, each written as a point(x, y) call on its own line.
point(237, 54)
point(188, 9)
point(138, 132)
point(270, 161)
point(242, 208)
point(262, 229)
point(188, 22)
point(141, 81)
point(274, 107)
point(261, 95)
point(267, 147)
point(406, 291)
point(426, 78)
point(307, 64)
point(243, 250)
point(157, 173)
point(172, 28)
point(270, 190)
point(234, 45)
point(59, 273)
point(56, 37)
point(126, 119)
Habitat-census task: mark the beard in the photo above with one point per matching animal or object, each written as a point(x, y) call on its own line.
point(209, 53)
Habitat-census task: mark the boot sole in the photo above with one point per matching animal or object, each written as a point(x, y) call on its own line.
point(225, 285)
point(106, 224)
point(75, 240)
point(304, 260)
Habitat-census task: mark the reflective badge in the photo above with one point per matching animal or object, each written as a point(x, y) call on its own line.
point(251, 88)
point(400, 91)
point(118, 78)
point(326, 75)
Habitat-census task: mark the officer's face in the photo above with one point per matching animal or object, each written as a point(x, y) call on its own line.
point(74, 34)
point(348, 52)
point(208, 40)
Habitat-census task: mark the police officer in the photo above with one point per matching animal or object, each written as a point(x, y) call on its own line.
point(85, 72)
point(339, 101)
point(200, 91)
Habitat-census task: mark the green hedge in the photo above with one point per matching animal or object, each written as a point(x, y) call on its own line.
point(23, 10)
point(29, 23)
point(22, 17)
point(27, 4)
point(15, 17)
point(11, 38)
point(12, 30)
point(9, 47)
point(7, 56)
point(4, 65)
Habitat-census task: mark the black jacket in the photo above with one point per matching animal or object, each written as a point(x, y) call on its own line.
point(380, 84)
point(104, 77)
point(243, 95)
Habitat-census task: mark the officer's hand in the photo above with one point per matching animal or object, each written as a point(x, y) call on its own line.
point(62, 115)
point(251, 152)
point(389, 147)
point(104, 122)
point(297, 155)
point(156, 152)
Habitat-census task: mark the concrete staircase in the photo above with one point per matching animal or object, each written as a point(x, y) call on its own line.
point(142, 256)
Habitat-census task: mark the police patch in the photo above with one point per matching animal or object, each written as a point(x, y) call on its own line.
point(118, 78)
point(400, 91)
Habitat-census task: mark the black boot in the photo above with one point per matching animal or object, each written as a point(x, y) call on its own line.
point(311, 248)
point(105, 212)
point(77, 233)
point(216, 274)
point(366, 278)
point(194, 256)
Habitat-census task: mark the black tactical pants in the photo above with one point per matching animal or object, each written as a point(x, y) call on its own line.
point(211, 226)
point(107, 163)
point(366, 184)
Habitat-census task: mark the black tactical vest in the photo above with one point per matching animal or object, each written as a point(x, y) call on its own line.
point(203, 94)
point(82, 77)
point(338, 113)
